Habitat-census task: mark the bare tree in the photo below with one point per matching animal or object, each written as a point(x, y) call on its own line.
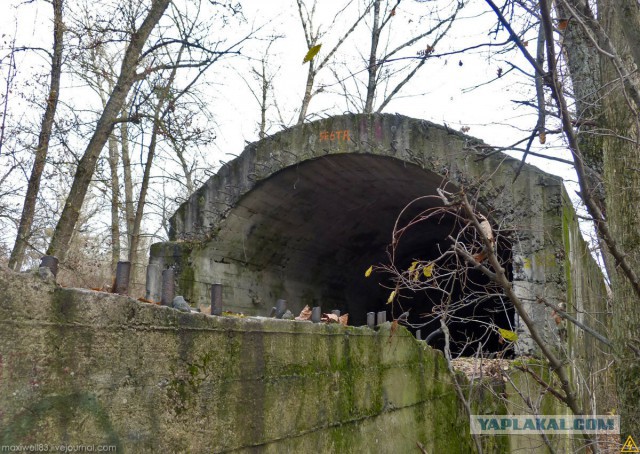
point(126, 78)
point(377, 79)
point(614, 106)
point(264, 76)
point(471, 247)
point(313, 34)
point(29, 206)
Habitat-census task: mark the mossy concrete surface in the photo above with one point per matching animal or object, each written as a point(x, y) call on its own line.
point(88, 368)
point(302, 214)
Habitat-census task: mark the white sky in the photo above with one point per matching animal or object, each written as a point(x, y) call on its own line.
point(441, 92)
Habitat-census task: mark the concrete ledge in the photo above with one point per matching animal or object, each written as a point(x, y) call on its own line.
point(81, 367)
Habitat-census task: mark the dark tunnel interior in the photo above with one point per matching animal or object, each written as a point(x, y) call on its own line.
point(322, 223)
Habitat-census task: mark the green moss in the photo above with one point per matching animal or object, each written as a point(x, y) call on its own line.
point(185, 384)
point(187, 281)
point(567, 220)
point(66, 411)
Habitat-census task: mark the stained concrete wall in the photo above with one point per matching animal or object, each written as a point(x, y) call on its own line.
point(86, 368)
point(301, 214)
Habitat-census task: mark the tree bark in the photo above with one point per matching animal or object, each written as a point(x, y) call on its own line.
point(128, 182)
point(86, 167)
point(115, 203)
point(584, 69)
point(372, 69)
point(33, 188)
point(622, 182)
point(308, 89)
point(137, 224)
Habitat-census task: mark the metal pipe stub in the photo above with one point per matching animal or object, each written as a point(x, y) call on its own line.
point(216, 299)
point(51, 262)
point(168, 287)
point(371, 319)
point(281, 308)
point(123, 270)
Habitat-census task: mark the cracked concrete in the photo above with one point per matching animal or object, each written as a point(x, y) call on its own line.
point(301, 214)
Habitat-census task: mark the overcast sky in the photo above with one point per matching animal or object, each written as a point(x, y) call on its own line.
point(442, 91)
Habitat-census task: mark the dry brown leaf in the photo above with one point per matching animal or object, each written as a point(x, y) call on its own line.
point(543, 137)
point(330, 318)
point(305, 314)
point(394, 327)
point(480, 257)
point(344, 319)
point(144, 300)
point(485, 227)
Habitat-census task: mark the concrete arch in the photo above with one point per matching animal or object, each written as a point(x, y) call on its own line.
point(300, 215)
point(432, 147)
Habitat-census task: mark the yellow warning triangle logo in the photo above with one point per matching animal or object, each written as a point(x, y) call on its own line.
point(630, 446)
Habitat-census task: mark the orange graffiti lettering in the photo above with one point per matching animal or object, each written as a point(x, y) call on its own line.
point(332, 136)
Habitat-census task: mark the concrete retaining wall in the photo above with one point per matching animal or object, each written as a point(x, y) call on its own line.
point(86, 368)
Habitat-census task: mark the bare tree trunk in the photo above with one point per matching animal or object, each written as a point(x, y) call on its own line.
point(263, 104)
point(86, 167)
point(161, 111)
point(307, 93)
point(33, 187)
point(128, 182)
point(11, 74)
point(312, 37)
point(135, 233)
point(622, 180)
point(188, 173)
point(115, 202)
point(373, 64)
point(584, 69)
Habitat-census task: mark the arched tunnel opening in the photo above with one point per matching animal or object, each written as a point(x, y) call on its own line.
point(320, 224)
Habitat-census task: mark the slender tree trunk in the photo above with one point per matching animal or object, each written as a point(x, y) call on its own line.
point(26, 220)
point(144, 186)
point(308, 93)
point(128, 182)
point(86, 167)
point(622, 181)
point(373, 62)
point(115, 202)
point(584, 69)
point(263, 105)
point(185, 168)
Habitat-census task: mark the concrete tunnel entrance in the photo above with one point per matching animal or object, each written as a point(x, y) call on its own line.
point(323, 222)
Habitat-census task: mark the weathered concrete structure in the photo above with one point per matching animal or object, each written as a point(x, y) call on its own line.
point(302, 214)
point(99, 372)
point(299, 216)
point(82, 368)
